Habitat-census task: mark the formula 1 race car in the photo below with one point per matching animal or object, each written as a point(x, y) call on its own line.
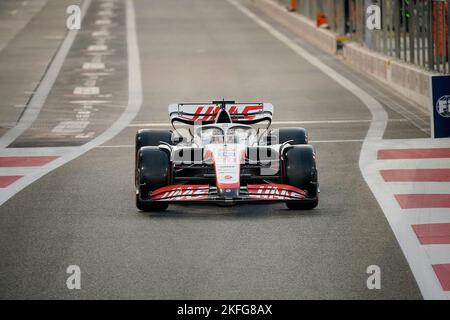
point(215, 155)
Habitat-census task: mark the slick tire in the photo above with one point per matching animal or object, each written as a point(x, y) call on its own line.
point(295, 135)
point(300, 171)
point(152, 172)
point(152, 138)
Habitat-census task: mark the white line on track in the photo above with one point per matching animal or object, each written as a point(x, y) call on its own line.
point(408, 114)
point(413, 143)
point(426, 215)
point(418, 187)
point(97, 47)
point(47, 151)
point(379, 115)
point(416, 257)
point(103, 22)
point(101, 33)
point(133, 107)
point(438, 253)
point(117, 146)
point(93, 65)
point(410, 164)
point(281, 122)
point(336, 141)
point(20, 171)
point(86, 91)
point(41, 94)
point(313, 142)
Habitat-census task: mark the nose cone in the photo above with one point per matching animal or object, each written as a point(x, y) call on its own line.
point(229, 193)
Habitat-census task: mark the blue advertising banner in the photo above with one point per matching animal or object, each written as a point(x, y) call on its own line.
point(440, 120)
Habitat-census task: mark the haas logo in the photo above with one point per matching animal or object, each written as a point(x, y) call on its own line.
point(274, 193)
point(443, 106)
point(188, 193)
point(208, 113)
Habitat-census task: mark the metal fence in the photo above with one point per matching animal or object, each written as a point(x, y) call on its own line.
point(416, 31)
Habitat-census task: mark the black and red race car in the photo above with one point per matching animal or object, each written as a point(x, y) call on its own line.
point(225, 153)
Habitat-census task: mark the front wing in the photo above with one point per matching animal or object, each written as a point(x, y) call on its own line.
point(251, 193)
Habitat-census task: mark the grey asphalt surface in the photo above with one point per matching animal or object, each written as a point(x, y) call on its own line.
point(30, 34)
point(63, 105)
point(83, 213)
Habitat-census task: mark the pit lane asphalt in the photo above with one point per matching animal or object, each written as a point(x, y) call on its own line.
point(83, 213)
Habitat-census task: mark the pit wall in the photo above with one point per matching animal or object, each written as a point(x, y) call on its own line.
point(410, 81)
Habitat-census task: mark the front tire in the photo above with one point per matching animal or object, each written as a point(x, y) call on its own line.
point(152, 172)
point(300, 171)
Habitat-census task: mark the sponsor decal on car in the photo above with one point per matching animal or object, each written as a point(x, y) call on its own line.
point(208, 113)
point(275, 192)
point(181, 192)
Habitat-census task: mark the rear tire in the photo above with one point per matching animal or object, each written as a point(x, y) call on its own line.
point(295, 135)
point(300, 171)
point(152, 137)
point(152, 172)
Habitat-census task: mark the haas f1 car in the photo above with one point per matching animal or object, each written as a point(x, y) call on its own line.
point(215, 154)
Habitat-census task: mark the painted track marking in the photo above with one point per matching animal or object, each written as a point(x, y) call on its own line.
point(313, 142)
point(280, 122)
point(7, 180)
point(428, 200)
point(86, 91)
point(433, 233)
point(97, 47)
point(70, 153)
point(414, 153)
point(40, 96)
point(24, 161)
point(422, 175)
point(443, 273)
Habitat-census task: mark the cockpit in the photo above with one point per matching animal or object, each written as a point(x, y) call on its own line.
point(232, 134)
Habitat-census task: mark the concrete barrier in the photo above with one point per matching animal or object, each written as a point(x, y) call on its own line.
point(367, 61)
point(324, 39)
point(407, 79)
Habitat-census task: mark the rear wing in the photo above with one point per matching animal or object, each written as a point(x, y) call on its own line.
point(205, 113)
